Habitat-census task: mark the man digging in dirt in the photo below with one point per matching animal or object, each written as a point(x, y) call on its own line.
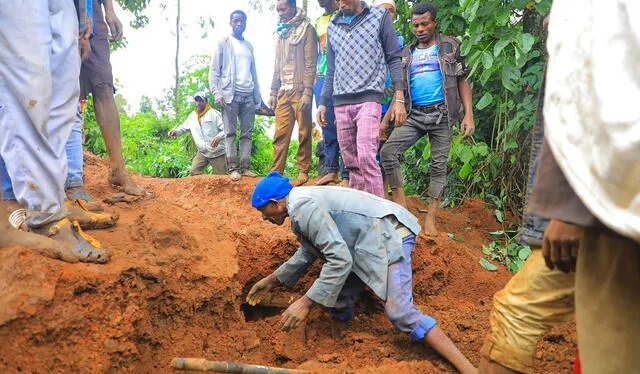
point(364, 241)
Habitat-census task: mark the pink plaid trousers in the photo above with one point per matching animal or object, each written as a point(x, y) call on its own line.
point(359, 136)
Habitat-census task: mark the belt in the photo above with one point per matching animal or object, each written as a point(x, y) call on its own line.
point(438, 107)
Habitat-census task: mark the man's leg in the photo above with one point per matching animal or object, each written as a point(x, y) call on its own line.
point(37, 114)
point(347, 138)
point(401, 139)
point(230, 122)
point(247, 116)
point(330, 138)
point(368, 139)
point(406, 317)
point(285, 119)
point(305, 149)
point(607, 311)
point(440, 136)
point(198, 164)
point(535, 300)
point(219, 164)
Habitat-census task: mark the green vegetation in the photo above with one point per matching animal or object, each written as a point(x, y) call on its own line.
point(503, 43)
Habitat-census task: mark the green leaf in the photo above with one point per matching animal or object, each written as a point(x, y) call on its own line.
point(500, 215)
point(487, 265)
point(471, 11)
point(481, 149)
point(510, 144)
point(497, 233)
point(465, 48)
point(524, 253)
point(465, 154)
point(526, 41)
point(487, 60)
point(510, 78)
point(499, 46)
point(465, 171)
point(484, 77)
point(454, 237)
point(503, 15)
point(485, 101)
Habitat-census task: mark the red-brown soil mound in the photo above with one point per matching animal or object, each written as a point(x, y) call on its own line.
point(182, 264)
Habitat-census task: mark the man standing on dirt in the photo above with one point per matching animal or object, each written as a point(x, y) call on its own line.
point(364, 241)
point(205, 126)
point(233, 80)
point(96, 78)
point(292, 86)
point(361, 50)
point(433, 63)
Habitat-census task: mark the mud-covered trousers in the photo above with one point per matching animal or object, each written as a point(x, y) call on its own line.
point(39, 90)
point(399, 306)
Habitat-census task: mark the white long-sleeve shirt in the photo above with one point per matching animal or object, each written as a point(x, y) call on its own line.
point(204, 133)
point(592, 106)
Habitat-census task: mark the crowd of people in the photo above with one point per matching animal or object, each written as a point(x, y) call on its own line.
point(376, 96)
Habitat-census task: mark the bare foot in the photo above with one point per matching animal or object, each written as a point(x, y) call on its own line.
point(344, 183)
point(302, 179)
point(329, 178)
point(430, 228)
point(70, 235)
point(82, 197)
point(337, 329)
point(123, 180)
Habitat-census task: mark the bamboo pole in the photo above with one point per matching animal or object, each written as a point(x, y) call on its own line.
point(201, 364)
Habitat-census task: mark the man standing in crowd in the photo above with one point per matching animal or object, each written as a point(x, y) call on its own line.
point(329, 131)
point(292, 86)
point(436, 73)
point(234, 83)
point(38, 102)
point(364, 241)
point(96, 78)
point(361, 49)
point(205, 125)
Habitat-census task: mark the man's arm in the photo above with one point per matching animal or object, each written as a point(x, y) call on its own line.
point(467, 127)
point(327, 88)
point(182, 129)
point(275, 80)
point(214, 71)
point(310, 61)
point(316, 224)
point(289, 272)
point(115, 26)
point(393, 56)
point(257, 98)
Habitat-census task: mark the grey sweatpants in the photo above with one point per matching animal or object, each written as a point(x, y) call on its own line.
point(436, 125)
point(242, 109)
point(39, 89)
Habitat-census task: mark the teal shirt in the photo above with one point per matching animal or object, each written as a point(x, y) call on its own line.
point(350, 230)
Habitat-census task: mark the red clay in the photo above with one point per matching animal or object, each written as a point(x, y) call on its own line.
point(182, 264)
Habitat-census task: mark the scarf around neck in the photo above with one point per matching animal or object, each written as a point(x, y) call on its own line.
point(200, 114)
point(295, 28)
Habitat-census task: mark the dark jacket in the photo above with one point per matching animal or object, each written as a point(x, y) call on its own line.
point(453, 68)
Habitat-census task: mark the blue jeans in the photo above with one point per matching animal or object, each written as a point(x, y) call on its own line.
point(75, 161)
point(400, 309)
point(330, 135)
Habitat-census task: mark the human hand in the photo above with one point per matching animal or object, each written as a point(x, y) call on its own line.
point(305, 103)
point(216, 141)
point(115, 26)
point(172, 134)
point(85, 49)
point(560, 245)
point(384, 129)
point(321, 116)
point(295, 314)
point(273, 102)
point(220, 102)
point(260, 289)
point(467, 127)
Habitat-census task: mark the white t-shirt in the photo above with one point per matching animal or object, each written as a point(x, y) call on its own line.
point(242, 59)
point(592, 106)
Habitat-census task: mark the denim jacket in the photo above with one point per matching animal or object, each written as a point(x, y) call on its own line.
point(453, 68)
point(351, 231)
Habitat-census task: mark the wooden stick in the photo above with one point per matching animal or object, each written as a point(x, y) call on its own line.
point(201, 364)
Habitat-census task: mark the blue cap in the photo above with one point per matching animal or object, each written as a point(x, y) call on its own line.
point(272, 187)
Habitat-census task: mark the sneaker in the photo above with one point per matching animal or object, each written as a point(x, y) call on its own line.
point(235, 176)
point(249, 174)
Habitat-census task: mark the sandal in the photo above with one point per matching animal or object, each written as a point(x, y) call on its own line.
point(18, 218)
point(82, 197)
point(87, 219)
point(84, 246)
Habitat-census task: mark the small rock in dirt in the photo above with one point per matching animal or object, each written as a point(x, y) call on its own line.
point(330, 357)
point(250, 340)
point(111, 345)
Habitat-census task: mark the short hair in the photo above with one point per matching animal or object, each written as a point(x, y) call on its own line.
point(423, 8)
point(292, 3)
point(243, 14)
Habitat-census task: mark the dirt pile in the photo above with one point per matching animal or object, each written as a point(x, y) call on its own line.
point(182, 265)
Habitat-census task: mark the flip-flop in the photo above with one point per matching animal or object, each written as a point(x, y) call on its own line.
point(87, 219)
point(88, 249)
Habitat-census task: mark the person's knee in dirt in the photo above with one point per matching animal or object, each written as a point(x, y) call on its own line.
point(326, 219)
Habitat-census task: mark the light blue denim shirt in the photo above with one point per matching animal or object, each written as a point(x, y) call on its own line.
point(352, 231)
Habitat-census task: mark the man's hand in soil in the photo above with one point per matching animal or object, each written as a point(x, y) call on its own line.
point(260, 289)
point(560, 245)
point(295, 313)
